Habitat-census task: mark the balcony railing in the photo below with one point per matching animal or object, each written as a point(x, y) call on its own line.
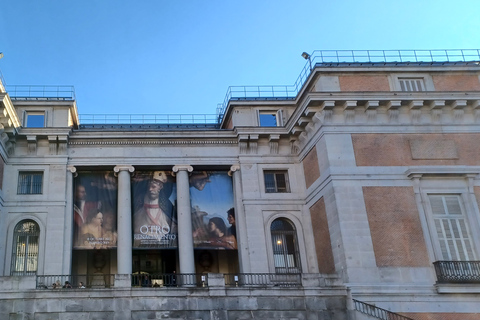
point(457, 271)
point(89, 281)
point(169, 280)
point(263, 279)
point(377, 312)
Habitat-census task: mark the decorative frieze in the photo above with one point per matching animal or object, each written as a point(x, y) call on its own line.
point(150, 142)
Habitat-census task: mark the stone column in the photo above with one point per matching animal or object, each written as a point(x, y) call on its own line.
point(184, 219)
point(240, 220)
point(124, 220)
point(68, 222)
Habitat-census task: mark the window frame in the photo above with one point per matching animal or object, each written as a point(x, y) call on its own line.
point(289, 240)
point(276, 172)
point(417, 83)
point(29, 114)
point(19, 267)
point(432, 229)
point(28, 187)
point(276, 113)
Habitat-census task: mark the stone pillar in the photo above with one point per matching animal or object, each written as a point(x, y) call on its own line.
point(124, 220)
point(184, 219)
point(68, 222)
point(240, 220)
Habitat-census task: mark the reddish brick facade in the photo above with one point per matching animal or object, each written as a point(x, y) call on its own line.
point(397, 234)
point(311, 167)
point(399, 149)
point(364, 83)
point(443, 316)
point(321, 234)
point(456, 83)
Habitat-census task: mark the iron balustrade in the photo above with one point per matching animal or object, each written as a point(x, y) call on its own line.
point(263, 279)
point(457, 271)
point(377, 312)
point(38, 92)
point(89, 281)
point(161, 280)
point(148, 119)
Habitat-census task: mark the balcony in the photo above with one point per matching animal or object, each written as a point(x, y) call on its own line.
point(454, 272)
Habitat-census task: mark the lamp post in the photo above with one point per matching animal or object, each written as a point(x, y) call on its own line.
point(306, 56)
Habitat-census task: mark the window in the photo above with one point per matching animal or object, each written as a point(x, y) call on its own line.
point(451, 228)
point(276, 181)
point(286, 256)
point(270, 118)
point(25, 248)
point(30, 182)
point(35, 119)
point(411, 84)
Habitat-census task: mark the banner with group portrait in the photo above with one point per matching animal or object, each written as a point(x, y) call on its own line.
point(95, 210)
point(213, 213)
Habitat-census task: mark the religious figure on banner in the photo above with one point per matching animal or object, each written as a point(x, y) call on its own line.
point(154, 222)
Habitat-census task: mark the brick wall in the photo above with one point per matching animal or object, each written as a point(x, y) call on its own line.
point(321, 235)
point(416, 149)
point(395, 227)
point(311, 168)
point(456, 83)
point(443, 316)
point(364, 83)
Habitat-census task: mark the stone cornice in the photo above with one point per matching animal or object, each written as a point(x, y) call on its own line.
point(90, 142)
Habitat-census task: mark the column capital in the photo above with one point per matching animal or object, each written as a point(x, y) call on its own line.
point(234, 168)
point(124, 167)
point(72, 169)
point(182, 167)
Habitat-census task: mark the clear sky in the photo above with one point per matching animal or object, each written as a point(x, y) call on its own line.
point(159, 56)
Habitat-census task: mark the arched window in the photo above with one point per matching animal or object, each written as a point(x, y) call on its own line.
point(285, 246)
point(25, 248)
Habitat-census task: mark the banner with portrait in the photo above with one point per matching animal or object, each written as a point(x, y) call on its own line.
point(213, 216)
point(154, 213)
point(95, 210)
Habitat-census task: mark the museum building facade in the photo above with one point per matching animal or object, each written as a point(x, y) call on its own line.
point(353, 194)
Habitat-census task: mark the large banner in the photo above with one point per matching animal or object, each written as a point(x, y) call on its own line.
point(213, 215)
point(95, 210)
point(154, 212)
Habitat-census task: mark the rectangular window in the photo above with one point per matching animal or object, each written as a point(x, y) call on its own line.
point(35, 119)
point(411, 84)
point(276, 181)
point(270, 118)
point(451, 227)
point(30, 182)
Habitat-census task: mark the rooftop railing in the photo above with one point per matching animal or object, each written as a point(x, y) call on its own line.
point(325, 57)
point(37, 92)
point(86, 119)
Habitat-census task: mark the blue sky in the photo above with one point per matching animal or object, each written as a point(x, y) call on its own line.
point(169, 57)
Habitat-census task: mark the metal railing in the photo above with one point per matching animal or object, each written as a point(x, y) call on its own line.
point(169, 280)
point(377, 312)
point(89, 281)
point(38, 92)
point(457, 271)
point(325, 57)
point(263, 279)
point(148, 119)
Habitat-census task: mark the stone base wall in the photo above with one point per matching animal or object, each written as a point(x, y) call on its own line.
point(174, 303)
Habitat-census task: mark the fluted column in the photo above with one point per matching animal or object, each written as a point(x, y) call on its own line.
point(68, 222)
point(124, 220)
point(240, 220)
point(184, 219)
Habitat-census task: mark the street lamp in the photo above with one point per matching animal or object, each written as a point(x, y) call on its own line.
point(306, 56)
